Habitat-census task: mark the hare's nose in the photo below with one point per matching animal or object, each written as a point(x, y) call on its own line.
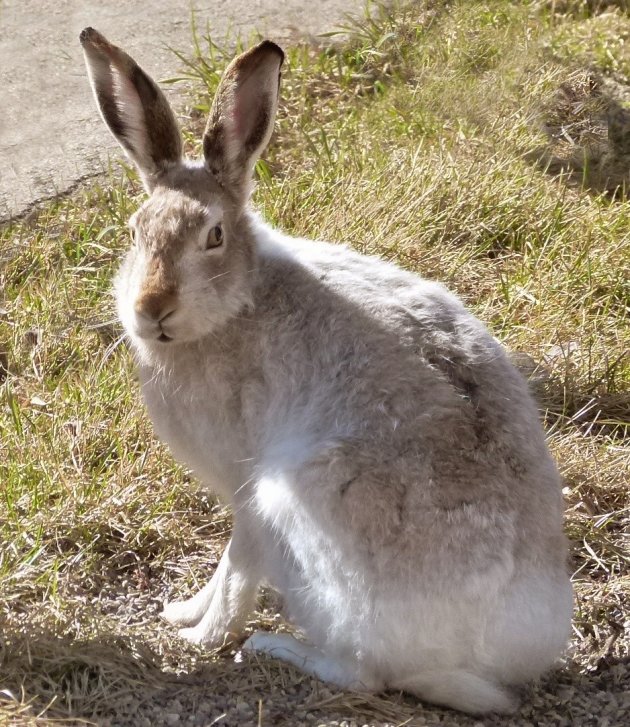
point(156, 306)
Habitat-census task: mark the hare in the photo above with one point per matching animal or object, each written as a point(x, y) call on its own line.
point(384, 461)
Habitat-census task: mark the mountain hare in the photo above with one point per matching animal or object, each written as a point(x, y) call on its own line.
point(384, 461)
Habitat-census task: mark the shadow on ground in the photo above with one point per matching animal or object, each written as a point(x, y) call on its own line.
point(129, 681)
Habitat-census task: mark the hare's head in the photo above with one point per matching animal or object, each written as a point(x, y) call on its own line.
point(189, 269)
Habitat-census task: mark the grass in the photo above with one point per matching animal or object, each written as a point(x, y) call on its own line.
point(428, 134)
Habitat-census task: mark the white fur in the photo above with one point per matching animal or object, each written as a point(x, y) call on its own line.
point(459, 646)
point(384, 461)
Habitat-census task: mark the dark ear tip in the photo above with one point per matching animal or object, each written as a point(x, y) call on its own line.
point(86, 35)
point(91, 39)
point(269, 45)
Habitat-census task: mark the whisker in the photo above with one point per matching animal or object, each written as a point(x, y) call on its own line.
point(110, 350)
point(102, 324)
point(202, 284)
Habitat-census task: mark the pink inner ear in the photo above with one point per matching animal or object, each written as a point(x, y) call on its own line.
point(239, 122)
point(127, 99)
point(245, 109)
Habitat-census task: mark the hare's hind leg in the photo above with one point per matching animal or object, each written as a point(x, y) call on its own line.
point(459, 689)
point(311, 661)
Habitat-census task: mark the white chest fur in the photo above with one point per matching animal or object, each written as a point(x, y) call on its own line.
point(201, 428)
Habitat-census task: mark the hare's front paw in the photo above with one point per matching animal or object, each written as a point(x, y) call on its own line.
point(183, 613)
point(212, 624)
point(216, 615)
point(213, 638)
point(192, 610)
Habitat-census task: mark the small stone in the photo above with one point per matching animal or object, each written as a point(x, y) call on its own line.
point(172, 718)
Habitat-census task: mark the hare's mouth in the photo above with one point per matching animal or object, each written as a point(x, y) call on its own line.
point(164, 338)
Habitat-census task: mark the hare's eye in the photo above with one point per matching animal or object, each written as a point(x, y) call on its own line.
point(215, 237)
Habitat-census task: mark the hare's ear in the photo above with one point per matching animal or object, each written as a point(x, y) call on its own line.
point(133, 107)
point(242, 115)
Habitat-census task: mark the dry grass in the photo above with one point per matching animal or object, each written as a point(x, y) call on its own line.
point(420, 140)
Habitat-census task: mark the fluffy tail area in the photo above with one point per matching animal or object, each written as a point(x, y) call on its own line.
point(460, 689)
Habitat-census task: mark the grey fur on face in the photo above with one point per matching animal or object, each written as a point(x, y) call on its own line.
point(384, 460)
